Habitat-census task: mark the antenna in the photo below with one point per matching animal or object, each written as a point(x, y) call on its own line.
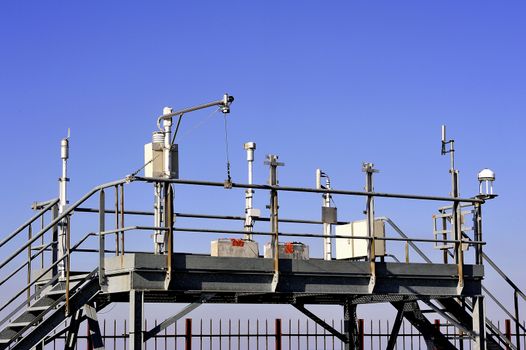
point(444, 149)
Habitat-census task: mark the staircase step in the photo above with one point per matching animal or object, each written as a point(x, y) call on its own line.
point(37, 309)
point(7, 334)
point(18, 325)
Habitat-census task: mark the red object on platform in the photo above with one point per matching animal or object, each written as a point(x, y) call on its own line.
point(237, 242)
point(289, 248)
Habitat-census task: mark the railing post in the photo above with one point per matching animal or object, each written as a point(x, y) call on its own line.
point(272, 161)
point(102, 201)
point(457, 232)
point(54, 239)
point(122, 218)
point(478, 233)
point(507, 331)
point(169, 239)
point(29, 236)
point(117, 217)
point(368, 168)
point(188, 334)
point(361, 334)
point(68, 261)
point(517, 320)
point(278, 334)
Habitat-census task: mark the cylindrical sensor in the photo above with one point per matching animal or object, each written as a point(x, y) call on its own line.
point(64, 149)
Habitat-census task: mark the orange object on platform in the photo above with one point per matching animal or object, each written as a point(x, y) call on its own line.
point(237, 242)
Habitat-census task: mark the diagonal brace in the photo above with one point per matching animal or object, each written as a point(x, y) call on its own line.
point(322, 323)
point(94, 328)
point(395, 330)
point(171, 320)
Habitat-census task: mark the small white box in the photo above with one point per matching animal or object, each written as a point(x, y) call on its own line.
point(352, 248)
point(154, 160)
point(232, 247)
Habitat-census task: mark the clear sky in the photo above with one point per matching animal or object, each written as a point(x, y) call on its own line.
point(321, 84)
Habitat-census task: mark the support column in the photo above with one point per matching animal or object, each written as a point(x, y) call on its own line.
point(479, 323)
point(136, 319)
point(350, 327)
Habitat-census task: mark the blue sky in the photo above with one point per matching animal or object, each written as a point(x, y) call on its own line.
point(321, 84)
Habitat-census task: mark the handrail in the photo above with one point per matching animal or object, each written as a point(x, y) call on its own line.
point(307, 190)
point(489, 324)
point(313, 235)
point(504, 276)
point(402, 234)
point(61, 217)
point(41, 250)
point(29, 222)
point(44, 272)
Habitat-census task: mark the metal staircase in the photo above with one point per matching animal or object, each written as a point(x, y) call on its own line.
point(48, 311)
point(460, 312)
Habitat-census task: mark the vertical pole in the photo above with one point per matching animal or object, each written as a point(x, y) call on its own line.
point(457, 231)
point(169, 223)
point(278, 334)
point(479, 323)
point(349, 326)
point(478, 233)
point(122, 218)
point(68, 264)
point(326, 202)
point(249, 193)
point(158, 217)
point(272, 161)
point(136, 319)
point(102, 238)
point(42, 257)
point(29, 236)
point(517, 322)
point(368, 168)
point(54, 239)
point(117, 217)
point(64, 155)
point(361, 334)
point(444, 237)
point(507, 331)
point(188, 334)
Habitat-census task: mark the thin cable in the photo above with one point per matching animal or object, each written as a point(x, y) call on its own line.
point(227, 151)
point(200, 123)
point(144, 166)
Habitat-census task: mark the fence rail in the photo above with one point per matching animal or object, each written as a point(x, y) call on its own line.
point(267, 334)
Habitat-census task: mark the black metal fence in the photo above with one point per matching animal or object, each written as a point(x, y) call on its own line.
point(293, 334)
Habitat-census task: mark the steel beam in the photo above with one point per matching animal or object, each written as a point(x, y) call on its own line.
point(171, 320)
point(395, 330)
point(94, 328)
point(136, 319)
point(479, 323)
point(319, 321)
point(433, 337)
point(350, 326)
point(73, 329)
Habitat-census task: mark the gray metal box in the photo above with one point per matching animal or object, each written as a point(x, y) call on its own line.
point(351, 248)
point(289, 250)
point(231, 247)
point(154, 160)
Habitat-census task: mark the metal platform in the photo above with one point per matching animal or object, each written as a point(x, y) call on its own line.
point(247, 279)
